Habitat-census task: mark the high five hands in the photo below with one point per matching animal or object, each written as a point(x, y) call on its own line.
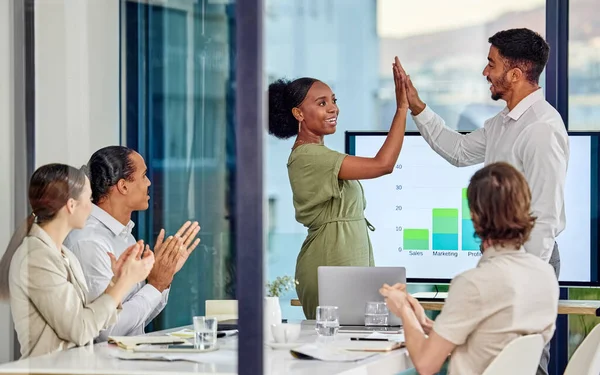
point(414, 103)
point(400, 84)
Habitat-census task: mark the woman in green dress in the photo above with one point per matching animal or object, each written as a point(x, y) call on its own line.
point(328, 198)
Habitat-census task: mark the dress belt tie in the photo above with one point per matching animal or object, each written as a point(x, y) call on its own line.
point(347, 219)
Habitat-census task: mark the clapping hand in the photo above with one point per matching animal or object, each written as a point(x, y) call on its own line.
point(135, 269)
point(166, 255)
point(395, 298)
point(188, 233)
point(117, 264)
point(426, 323)
point(172, 254)
point(130, 264)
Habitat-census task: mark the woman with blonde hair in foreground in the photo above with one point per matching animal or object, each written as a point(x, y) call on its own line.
point(44, 280)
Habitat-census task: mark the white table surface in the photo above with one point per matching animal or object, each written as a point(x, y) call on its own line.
point(97, 360)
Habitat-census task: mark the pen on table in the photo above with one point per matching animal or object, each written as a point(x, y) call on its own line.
point(221, 334)
point(368, 339)
point(163, 343)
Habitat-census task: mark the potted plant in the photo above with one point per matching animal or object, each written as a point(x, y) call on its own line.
point(272, 311)
point(280, 285)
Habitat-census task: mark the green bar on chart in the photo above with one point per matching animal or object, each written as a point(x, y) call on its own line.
point(466, 213)
point(445, 229)
point(416, 239)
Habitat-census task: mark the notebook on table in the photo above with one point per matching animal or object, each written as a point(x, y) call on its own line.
point(131, 342)
point(368, 346)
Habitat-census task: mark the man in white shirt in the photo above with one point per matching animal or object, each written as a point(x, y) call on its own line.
point(529, 134)
point(120, 187)
point(510, 293)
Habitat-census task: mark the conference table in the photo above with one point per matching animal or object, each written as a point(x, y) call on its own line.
point(99, 359)
point(565, 307)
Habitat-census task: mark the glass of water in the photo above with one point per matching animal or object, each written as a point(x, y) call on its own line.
point(327, 321)
point(205, 332)
point(376, 314)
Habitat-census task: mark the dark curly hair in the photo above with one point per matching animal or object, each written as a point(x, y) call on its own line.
point(283, 96)
point(106, 167)
point(524, 49)
point(500, 204)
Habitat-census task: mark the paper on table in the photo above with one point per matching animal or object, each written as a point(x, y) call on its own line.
point(122, 354)
point(187, 333)
point(210, 357)
point(329, 353)
point(130, 342)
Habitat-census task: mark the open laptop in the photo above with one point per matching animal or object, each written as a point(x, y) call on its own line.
point(350, 288)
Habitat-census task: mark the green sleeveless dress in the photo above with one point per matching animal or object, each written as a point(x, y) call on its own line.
point(333, 211)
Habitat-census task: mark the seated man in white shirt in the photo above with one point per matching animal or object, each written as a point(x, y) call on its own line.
point(120, 187)
point(509, 294)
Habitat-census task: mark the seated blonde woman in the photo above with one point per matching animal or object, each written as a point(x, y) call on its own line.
point(509, 294)
point(44, 280)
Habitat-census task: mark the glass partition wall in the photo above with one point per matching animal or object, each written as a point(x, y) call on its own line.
point(196, 119)
point(443, 45)
point(178, 112)
point(444, 51)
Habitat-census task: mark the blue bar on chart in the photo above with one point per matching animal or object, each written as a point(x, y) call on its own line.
point(469, 241)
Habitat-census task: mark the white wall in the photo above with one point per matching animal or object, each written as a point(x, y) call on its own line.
point(77, 79)
point(6, 161)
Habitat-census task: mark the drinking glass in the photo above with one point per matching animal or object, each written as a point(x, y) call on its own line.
point(327, 323)
point(376, 314)
point(205, 332)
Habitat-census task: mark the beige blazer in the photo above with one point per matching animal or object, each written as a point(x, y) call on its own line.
point(48, 298)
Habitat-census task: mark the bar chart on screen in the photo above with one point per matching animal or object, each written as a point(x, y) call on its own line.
point(423, 221)
point(444, 231)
